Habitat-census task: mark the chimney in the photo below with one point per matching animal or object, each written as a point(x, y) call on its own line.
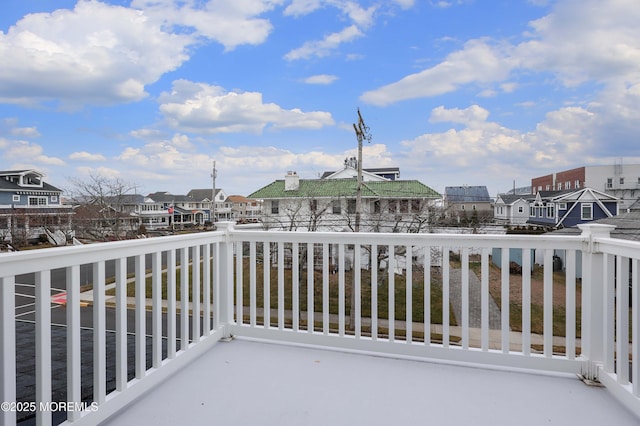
point(291, 181)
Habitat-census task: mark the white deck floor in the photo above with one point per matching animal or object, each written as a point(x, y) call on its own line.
point(252, 383)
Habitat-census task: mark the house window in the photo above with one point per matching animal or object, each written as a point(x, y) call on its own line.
point(351, 206)
point(393, 206)
point(550, 211)
point(621, 181)
point(376, 206)
point(415, 206)
point(404, 206)
point(16, 198)
point(547, 187)
point(586, 211)
point(576, 184)
point(461, 206)
point(37, 201)
point(473, 207)
point(562, 206)
point(337, 208)
point(559, 186)
point(275, 207)
point(532, 211)
point(609, 183)
point(314, 205)
point(520, 209)
point(567, 185)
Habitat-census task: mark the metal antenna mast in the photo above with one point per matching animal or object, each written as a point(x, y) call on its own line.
point(362, 133)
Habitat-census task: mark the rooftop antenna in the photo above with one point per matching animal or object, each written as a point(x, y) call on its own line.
point(362, 133)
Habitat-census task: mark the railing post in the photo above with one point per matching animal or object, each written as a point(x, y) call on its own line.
point(226, 277)
point(592, 298)
point(7, 348)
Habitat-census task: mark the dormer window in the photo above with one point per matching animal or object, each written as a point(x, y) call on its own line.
point(27, 179)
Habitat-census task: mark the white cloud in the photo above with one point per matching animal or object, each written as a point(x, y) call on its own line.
point(95, 53)
point(487, 151)
point(361, 19)
point(325, 46)
point(508, 87)
point(473, 114)
point(479, 148)
point(443, 4)
point(271, 163)
point(356, 13)
point(19, 150)
point(230, 23)
point(477, 62)
point(405, 4)
point(26, 132)
point(578, 41)
point(201, 108)
point(321, 79)
point(162, 163)
point(302, 7)
point(146, 134)
point(86, 156)
point(581, 41)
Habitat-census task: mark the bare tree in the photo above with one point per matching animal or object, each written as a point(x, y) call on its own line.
point(19, 228)
point(100, 202)
point(317, 211)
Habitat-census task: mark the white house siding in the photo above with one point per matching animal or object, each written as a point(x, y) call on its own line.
point(628, 192)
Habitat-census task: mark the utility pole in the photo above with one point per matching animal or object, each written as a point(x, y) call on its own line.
point(362, 133)
point(214, 173)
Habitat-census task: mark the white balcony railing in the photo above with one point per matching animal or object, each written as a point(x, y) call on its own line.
point(190, 291)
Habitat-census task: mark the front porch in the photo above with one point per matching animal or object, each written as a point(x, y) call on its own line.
point(246, 382)
point(383, 328)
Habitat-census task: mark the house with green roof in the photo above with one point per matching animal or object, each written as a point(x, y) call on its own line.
point(330, 204)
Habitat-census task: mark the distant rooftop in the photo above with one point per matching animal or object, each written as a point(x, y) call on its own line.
point(346, 188)
point(523, 190)
point(466, 194)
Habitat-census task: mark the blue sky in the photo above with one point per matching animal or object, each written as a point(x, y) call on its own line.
point(455, 92)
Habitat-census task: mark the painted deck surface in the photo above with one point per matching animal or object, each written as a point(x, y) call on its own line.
point(255, 383)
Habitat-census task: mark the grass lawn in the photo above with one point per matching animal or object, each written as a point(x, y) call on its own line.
point(537, 298)
point(417, 290)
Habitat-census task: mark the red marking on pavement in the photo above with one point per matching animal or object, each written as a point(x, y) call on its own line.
point(60, 298)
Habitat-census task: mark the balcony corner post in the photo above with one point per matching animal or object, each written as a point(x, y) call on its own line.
point(7, 347)
point(226, 277)
point(592, 298)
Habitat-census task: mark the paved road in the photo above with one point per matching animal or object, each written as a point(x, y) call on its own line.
point(25, 339)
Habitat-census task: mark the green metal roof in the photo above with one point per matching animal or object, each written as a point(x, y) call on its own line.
point(332, 188)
